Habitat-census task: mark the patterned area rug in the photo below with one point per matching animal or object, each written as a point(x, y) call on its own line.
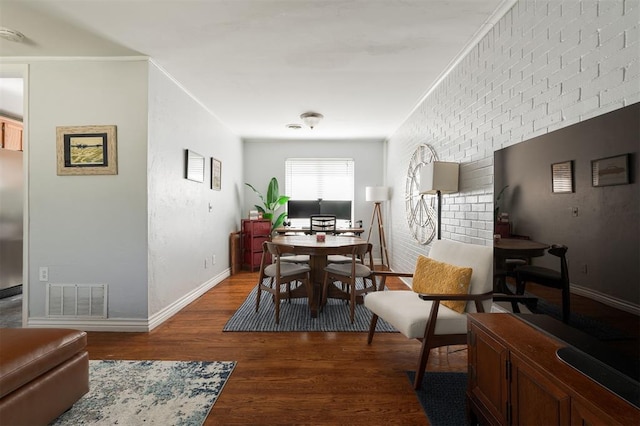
point(295, 316)
point(442, 396)
point(149, 392)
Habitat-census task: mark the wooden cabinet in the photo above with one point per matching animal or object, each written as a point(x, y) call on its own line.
point(254, 233)
point(10, 134)
point(515, 378)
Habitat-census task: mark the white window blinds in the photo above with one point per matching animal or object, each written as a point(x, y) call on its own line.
point(313, 178)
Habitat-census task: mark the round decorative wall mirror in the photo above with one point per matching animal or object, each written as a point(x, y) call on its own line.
point(421, 215)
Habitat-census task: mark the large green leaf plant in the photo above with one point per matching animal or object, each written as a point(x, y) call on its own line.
point(272, 203)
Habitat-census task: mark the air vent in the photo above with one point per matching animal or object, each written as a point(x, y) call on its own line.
point(77, 300)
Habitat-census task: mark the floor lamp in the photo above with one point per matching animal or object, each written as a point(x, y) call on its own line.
point(439, 177)
point(378, 194)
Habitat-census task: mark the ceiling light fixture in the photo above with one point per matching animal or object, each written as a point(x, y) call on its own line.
point(311, 118)
point(11, 35)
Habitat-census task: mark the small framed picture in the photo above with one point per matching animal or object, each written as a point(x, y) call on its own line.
point(610, 171)
point(216, 174)
point(86, 150)
point(562, 177)
point(194, 166)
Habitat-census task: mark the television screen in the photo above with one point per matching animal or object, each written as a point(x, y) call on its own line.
point(340, 209)
point(302, 209)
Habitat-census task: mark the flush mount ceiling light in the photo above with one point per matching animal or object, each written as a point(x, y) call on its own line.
point(294, 126)
point(311, 118)
point(11, 35)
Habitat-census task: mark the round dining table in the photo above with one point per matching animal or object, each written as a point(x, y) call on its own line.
point(318, 251)
point(507, 248)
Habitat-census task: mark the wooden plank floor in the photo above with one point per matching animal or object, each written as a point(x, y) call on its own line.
point(310, 378)
point(287, 378)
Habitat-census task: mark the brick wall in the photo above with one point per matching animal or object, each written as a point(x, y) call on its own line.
point(544, 65)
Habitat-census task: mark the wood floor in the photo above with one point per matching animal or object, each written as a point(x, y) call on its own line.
point(310, 378)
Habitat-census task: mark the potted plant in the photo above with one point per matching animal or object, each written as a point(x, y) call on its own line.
point(272, 203)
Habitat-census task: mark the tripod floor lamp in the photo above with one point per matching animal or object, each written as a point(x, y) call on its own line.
point(378, 194)
point(439, 177)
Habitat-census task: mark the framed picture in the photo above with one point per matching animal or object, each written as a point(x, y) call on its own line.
point(194, 166)
point(216, 174)
point(86, 150)
point(562, 177)
point(610, 171)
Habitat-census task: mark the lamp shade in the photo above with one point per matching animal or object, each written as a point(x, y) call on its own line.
point(439, 176)
point(377, 193)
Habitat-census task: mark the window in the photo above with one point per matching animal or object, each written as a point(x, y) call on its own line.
point(314, 178)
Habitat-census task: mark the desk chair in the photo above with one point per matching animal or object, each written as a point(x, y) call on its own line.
point(280, 273)
point(322, 223)
point(548, 277)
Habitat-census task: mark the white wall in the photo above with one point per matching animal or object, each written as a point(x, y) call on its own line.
point(264, 159)
point(544, 66)
point(183, 232)
point(89, 229)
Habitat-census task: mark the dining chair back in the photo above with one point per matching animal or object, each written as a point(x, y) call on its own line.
point(277, 276)
point(423, 316)
point(548, 277)
point(355, 277)
point(322, 223)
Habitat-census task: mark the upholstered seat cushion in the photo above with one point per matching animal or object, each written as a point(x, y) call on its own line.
point(344, 269)
point(286, 269)
point(411, 319)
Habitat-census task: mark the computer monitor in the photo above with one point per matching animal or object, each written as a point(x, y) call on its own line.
point(340, 209)
point(302, 209)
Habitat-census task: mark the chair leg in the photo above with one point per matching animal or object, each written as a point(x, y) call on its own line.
point(325, 290)
point(422, 364)
point(352, 293)
point(566, 304)
point(372, 328)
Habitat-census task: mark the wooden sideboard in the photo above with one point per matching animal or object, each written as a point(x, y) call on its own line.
point(516, 378)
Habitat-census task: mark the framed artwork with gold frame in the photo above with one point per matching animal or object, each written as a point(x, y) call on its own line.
point(86, 150)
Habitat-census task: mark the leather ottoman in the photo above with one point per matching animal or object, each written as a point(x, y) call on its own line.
point(43, 372)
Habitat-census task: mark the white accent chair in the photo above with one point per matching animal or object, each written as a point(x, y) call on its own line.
point(421, 316)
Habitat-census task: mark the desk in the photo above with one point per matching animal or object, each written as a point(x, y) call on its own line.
point(318, 252)
point(506, 248)
point(289, 230)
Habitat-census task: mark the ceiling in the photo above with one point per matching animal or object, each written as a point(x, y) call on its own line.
point(258, 64)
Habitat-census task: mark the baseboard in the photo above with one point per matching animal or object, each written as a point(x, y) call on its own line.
point(130, 324)
point(166, 313)
point(614, 302)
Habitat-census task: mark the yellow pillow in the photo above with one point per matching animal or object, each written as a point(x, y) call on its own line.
point(434, 277)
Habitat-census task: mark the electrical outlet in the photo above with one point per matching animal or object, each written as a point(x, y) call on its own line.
point(583, 268)
point(205, 264)
point(44, 273)
point(574, 211)
point(214, 259)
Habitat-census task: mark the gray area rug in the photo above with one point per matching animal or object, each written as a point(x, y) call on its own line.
point(295, 316)
point(442, 396)
point(149, 392)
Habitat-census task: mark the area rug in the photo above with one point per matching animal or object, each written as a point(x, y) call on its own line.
point(295, 316)
point(588, 325)
point(443, 397)
point(149, 392)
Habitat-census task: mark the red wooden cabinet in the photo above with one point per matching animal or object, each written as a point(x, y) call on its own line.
point(254, 233)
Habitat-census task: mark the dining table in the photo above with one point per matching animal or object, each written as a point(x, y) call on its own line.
point(318, 251)
point(509, 248)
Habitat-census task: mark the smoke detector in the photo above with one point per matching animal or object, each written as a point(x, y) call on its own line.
point(11, 35)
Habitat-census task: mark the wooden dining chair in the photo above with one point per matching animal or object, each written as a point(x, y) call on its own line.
point(347, 275)
point(276, 277)
point(455, 279)
point(548, 277)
